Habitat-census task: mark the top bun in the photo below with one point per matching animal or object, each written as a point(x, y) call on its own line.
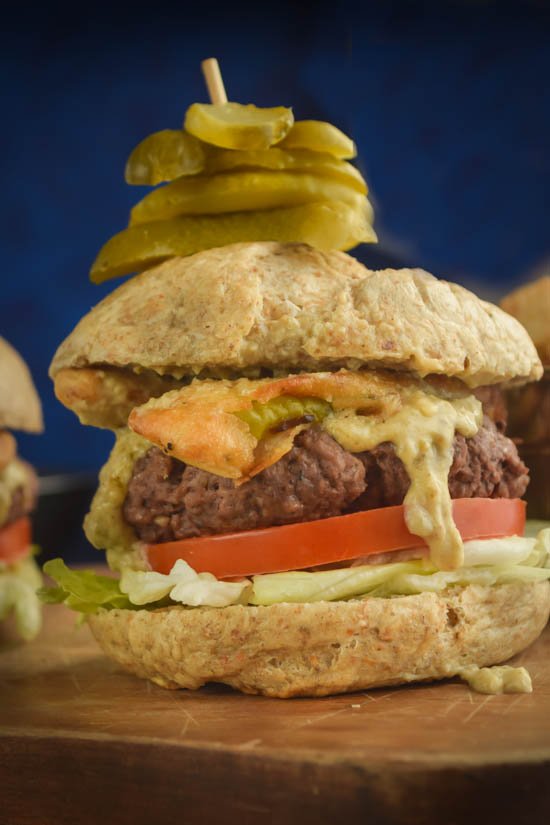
point(254, 306)
point(530, 304)
point(19, 403)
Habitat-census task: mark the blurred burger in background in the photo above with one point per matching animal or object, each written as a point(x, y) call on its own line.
point(529, 407)
point(19, 575)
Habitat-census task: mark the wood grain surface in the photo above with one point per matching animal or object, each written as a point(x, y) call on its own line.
point(83, 742)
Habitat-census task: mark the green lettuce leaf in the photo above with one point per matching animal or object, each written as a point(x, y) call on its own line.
point(82, 590)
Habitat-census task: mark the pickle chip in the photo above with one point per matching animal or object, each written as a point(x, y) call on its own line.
point(164, 156)
point(330, 225)
point(236, 126)
point(238, 192)
point(298, 160)
point(319, 136)
point(261, 418)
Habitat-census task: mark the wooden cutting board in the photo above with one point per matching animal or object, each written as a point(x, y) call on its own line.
point(83, 742)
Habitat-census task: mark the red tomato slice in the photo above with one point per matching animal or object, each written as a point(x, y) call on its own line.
point(15, 540)
point(313, 543)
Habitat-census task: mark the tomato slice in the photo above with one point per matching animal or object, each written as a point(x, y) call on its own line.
point(341, 538)
point(15, 540)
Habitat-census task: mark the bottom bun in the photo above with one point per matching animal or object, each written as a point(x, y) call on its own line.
point(326, 647)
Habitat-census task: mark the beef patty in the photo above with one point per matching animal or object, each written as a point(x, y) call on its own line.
point(169, 500)
point(485, 466)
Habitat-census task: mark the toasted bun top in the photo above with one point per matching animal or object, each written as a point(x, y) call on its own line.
point(19, 403)
point(290, 307)
point(530, 304)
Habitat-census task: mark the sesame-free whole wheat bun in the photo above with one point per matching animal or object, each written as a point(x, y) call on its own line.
point(248, 308)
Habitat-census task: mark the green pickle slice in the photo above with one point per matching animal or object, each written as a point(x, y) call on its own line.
point(227, 182)
point(319, 136)
point(238, 192)
point(237, 126)
point(165, 156)
point(328, 225)
point(264, 417)
point(298, 160)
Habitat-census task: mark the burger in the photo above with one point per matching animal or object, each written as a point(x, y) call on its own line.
point(529, 407)
point(19, 575)
point(311, 489)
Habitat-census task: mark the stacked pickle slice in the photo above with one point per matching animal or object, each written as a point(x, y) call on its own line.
point(239, 173)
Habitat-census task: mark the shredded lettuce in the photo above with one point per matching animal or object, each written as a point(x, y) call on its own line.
point(328, 585)
point(18, 584)
point(407, 578)
point(183, 585)
point(492, 561)
point(513, 550)
point(86, 591)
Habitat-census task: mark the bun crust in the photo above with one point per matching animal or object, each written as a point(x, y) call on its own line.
point(326, 647)
point(19, 403)
point(289, 307)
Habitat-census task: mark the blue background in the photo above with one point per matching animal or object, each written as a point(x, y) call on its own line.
point(448, 103)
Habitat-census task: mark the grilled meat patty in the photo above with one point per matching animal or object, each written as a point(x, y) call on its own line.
point(169, 500)
point(485, 466)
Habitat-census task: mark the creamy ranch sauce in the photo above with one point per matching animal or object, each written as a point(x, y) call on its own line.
point(422, 432)
point(105, 526)
point(497, 679)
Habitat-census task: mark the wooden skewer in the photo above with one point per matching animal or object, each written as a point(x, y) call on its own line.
point(214, 83)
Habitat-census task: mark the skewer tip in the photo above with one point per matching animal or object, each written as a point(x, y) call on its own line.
point(214, 82)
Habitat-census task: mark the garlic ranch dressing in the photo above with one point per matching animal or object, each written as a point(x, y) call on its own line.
point(497, 679)
point(422, 432)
